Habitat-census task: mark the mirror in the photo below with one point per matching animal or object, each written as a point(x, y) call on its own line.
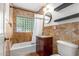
point(47, 17)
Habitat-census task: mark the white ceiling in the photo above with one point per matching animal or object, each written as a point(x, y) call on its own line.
point(29, 6)
point(57, 4)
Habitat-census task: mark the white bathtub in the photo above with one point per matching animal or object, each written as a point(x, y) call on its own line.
point(21, 49)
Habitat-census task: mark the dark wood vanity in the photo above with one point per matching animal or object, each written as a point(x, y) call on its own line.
point(44, 45)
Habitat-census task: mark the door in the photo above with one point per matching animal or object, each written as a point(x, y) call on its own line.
point(1, 28)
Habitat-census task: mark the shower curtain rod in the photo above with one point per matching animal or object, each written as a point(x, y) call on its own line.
point(34, 18)
point(39, 18)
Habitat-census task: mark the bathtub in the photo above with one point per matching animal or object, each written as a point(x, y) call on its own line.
point(22, 49)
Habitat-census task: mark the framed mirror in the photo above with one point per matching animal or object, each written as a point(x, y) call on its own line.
point(47, 17)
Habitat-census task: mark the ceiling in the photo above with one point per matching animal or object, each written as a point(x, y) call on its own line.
point(35, 7)
point(56, 4)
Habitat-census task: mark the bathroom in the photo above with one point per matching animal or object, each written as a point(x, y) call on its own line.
point(24, 25)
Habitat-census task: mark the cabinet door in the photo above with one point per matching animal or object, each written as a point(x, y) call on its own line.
point(40, 43)
point(40, 47)
point(48, 47)
point(48, 51)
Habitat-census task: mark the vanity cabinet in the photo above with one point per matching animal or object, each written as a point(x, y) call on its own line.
point(44, 45)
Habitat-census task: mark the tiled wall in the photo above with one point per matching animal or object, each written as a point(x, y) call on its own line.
point(17, 37)
point(68, 32)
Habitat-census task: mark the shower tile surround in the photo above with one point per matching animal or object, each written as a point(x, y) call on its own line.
point(68, 32)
